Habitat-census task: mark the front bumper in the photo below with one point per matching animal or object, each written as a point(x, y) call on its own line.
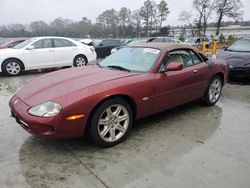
point(239, 72)
point(46, 127)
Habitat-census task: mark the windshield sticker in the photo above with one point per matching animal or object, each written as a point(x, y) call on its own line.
point(151, 50)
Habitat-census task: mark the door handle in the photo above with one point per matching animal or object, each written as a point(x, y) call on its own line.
point(195, 71)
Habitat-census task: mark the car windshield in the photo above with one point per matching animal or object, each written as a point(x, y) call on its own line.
point(4, 41)
point(242, 45)
point(23, 44)
point(132, 59)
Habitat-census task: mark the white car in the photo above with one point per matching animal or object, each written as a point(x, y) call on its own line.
point(45, 52)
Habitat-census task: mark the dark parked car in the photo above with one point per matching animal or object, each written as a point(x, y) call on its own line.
point(104, 48)
point(238, 57)
point(103, 100)
point(10, 43)
point(134, 42)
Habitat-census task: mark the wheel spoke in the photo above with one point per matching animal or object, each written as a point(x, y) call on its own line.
point(112, 134)
point(217, 92)
point(120, 128)
point(105, 130)
point(118, 111)
point(122, 118)
point(109, 112)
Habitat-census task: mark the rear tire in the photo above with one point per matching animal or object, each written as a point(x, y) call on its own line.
point(12, 67)
point(80, 61)
point(213, 92)
point(110, 123)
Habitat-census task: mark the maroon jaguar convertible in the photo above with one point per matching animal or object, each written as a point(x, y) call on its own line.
point(103, 100)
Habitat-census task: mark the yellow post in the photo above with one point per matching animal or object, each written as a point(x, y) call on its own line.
point(204, 46)
point(214, 47)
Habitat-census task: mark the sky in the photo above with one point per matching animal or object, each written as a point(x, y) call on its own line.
point(26, 11)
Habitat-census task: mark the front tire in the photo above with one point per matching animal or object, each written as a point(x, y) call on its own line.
point(111, 123)
point(213, 91)
point(80, 61)
point(12, 67)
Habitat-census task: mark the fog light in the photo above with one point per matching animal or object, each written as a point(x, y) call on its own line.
point(74, 117)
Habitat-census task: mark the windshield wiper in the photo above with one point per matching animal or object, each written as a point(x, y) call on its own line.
point(119, 68)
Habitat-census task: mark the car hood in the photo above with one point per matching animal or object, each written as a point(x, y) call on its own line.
point(236, 59)
point(61, 83)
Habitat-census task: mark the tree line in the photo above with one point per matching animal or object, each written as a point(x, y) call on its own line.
point(150, 19)
point(204, 9)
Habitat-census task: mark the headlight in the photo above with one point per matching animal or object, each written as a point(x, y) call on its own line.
point(113, 50)
point(48, 109)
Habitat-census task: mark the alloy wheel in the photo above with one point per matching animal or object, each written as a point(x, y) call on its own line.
point(215, 90)
point(113, 123)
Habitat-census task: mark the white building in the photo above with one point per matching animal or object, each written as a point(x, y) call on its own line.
point(234, 30)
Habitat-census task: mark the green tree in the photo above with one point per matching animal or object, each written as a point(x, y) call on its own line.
point(109, 20)
point(222, 38)
point(163, 12)
point(124, 18)
point(146, 13)
point(136, 17)
point(39, 28)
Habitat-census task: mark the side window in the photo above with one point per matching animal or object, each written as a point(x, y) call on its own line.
point(180, 56)
point(17, 42)
point(44, 43)
point(59, 43)
point(195, 57)
point(11, 45)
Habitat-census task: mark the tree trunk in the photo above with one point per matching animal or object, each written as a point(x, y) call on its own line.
point(219, 24)
point(199, 27)
point(147, 28)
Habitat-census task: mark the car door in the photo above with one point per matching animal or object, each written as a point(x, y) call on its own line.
point(65, 51)
point(101, 48)
point(113, 44)
point(108, 46)
point(41, 56)
point(173, 88)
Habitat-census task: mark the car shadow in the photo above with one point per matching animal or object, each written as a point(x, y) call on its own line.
point(240, 81)
point(154, 143)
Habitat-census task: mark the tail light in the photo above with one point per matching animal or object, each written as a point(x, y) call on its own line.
point(92, 49)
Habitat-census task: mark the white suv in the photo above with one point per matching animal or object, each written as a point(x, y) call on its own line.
point(45, 52)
